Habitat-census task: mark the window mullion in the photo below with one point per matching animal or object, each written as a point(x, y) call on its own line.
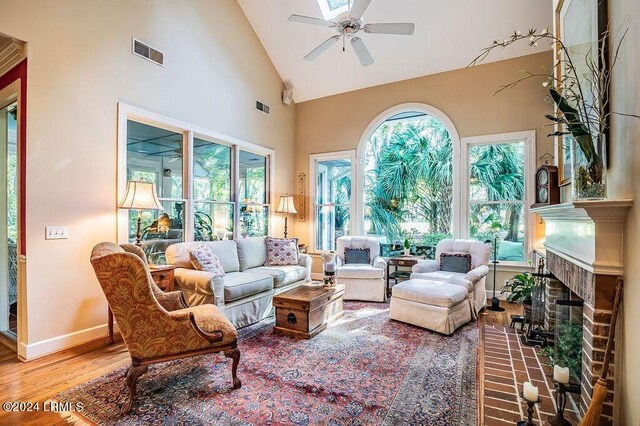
point(188, 185)
point(235, 188)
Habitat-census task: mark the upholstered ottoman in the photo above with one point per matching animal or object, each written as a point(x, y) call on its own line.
point(434, 305)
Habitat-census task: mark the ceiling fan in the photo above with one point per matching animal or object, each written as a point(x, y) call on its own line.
point(348, 24)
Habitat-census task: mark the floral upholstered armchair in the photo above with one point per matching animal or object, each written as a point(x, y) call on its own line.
point(157, 326)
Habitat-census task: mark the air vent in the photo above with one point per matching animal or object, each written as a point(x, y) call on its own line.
point(147, 52)
point(262, 107)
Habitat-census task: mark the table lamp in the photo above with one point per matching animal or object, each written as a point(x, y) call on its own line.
point(140, 196)
point(286, 206)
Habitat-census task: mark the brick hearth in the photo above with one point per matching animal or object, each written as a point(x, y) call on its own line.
point(507, 365)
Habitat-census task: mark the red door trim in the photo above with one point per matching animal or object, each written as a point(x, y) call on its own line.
point(19, 72)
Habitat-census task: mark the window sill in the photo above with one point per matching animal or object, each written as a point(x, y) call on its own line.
point(510, 266)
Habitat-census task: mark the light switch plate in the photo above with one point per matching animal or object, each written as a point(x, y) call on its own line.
point(56, 232)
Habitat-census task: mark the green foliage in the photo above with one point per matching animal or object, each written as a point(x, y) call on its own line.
point(568, 349)
point(521, 288)
point(409, 177)
point(433, 239)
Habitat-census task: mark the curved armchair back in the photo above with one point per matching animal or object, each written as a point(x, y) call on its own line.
point(146, 327)
point(479, 251)
point(372, 243)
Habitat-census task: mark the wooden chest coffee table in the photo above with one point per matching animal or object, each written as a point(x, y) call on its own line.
point(306, 310)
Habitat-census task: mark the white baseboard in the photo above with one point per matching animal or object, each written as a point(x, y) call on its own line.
point(502, 296)
point(58, 343)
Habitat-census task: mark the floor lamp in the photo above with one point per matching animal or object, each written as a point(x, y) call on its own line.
point(495, 302)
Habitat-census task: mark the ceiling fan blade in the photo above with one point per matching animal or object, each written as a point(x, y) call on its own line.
point(309, 20)
point(362, 51)
point(401, 29)
point(358, 8)
point(320, 49)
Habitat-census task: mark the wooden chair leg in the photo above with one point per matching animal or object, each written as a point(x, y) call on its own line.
point(133, 375)
point(234, 354)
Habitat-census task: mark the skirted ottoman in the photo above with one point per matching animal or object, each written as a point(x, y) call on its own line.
point(434, 305)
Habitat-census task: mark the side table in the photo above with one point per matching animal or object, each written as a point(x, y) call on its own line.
point(397, 275)
point(163, 276)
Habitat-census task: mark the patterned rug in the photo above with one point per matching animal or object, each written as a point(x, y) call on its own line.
point(363, 370)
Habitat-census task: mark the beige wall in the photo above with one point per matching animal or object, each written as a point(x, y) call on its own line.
point(466, 96)
point(624, 176)
point(80, 67)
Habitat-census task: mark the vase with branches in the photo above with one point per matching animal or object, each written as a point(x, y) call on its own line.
point(582, 101)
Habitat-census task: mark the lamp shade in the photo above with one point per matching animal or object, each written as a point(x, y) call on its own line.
point(140, 195)
point(286, 205)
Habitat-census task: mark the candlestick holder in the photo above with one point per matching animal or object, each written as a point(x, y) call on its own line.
point(561, 403)
point(530, 408)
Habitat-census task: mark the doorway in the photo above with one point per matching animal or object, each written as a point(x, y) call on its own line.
point(9, 199)
point(12, 205)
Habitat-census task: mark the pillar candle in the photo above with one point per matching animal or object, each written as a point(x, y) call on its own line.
point(330, 267)
point(561, 375)
point(530, 392)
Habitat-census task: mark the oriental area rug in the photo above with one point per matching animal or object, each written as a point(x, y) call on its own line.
point(363, 370)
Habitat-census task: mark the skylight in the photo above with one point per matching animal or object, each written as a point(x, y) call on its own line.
point(337, 4)
point(332, 8)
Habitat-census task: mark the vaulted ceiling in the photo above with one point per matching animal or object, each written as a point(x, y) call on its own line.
point(449, 33)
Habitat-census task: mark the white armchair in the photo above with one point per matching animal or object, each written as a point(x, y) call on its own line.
point(361, 281)
point(474, 280)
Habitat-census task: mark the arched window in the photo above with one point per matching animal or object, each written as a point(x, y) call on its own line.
point(408, 180)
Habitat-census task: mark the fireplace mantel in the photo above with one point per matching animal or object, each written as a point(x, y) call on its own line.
point(589, 234)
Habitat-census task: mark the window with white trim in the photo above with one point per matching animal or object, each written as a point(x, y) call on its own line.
point(211, 187)
point(498, 194)
point(332, 178)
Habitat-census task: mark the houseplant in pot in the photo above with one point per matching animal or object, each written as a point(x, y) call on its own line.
point(520, 289)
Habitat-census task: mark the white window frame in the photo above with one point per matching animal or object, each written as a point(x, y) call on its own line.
point(362, 148)
point(529, 139)
point(189, 131)
point(313, 167)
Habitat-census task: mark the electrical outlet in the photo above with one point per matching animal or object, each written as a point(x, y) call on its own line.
point(56, 232)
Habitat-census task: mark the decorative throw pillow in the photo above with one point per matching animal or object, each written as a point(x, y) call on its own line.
point(204, 259)
point(281, 251)
point(455, 262)
point(357, 255)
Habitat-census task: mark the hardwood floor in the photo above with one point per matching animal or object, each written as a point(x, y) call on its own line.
point(41, 379)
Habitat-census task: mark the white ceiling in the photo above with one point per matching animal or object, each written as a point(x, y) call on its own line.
point(449, 33)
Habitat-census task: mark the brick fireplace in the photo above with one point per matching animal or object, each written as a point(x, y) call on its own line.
point(584, 243)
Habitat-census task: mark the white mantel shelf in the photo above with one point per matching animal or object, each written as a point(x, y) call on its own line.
point(589, 234)
point(596, 211)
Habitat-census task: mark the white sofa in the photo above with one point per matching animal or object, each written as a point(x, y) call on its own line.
point(362, 281)
point(245, 292)
point(474, 280)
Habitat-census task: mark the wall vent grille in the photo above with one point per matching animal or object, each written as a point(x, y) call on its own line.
point(262, 107)
point(147, 52)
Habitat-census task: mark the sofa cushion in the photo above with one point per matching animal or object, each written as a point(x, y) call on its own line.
point(435, 293)
point(355, 270)
point(357, 255)
point(252, 252)
point(455, 262)
point(204, 259)
point(283, 275)
point(227, 252)
point(238, 285)
point(446, 277)
point(281, 251)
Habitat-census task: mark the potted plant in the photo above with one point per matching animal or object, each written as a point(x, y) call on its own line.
point(520, 289)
